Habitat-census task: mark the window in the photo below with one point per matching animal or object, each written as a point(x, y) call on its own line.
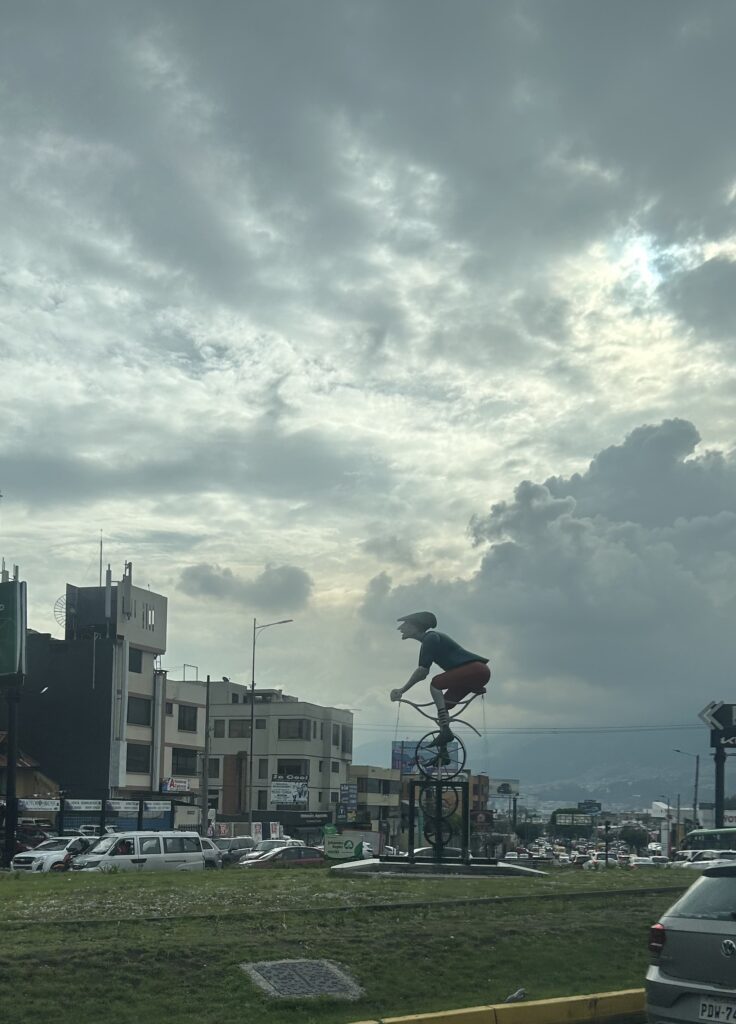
point(182, 844)
point(213, 767)
point(314, 730)
point(319, 796)
point(169, 708)
point(335, 735)
point(139, 711)
point(347, 739)
point(187, 718)
point(234, 698)
point(321, 766)
point(238, 728)
point(334, 797)
point(260, 723)
point(183, 761)
point(335, 767)
point(138, 758)
point(262, 800)
point(150, 618)
point(219, 731)
point(262, 767)
point(284, 766)
point(321, 730)
point(135, 660)
point(294, 729)
point(149, 845)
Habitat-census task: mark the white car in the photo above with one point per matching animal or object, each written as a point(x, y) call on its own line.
point(212, 854)
point(52, 854)
point(707, 859)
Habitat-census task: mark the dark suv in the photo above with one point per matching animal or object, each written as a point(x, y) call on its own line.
point(234, 848)
point(692, 974)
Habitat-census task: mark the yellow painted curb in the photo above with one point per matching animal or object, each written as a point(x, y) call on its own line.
point(592, 1009)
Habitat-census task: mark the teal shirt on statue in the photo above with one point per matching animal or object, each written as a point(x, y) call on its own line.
point(444, 651)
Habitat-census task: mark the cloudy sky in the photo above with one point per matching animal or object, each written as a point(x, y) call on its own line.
point(339, 309)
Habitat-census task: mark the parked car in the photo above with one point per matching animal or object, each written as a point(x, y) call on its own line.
point(266, 845)
point(212, 855)
point(640, 862)
point(706, 859)
point(51, 855)
point(692, 972)
point(288, 857)
point(234, 847)
point(144, 851)
point(31, 835)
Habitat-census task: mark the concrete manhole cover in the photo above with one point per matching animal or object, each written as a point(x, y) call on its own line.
point(300, 979)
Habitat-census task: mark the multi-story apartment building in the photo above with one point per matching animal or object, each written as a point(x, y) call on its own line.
point(290, 738)
point(93, 703)
point(378, 797)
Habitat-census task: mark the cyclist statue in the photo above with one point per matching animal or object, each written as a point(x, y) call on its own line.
point(463, 672)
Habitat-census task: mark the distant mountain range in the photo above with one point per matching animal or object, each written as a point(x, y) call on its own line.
point(622, 770)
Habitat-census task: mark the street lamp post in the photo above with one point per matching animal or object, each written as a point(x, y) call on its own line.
point(697, 776)
point(256, 630)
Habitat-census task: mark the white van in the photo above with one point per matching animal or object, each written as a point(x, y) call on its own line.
point(144, 851)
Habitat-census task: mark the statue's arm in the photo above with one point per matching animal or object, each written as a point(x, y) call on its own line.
point(419, 673)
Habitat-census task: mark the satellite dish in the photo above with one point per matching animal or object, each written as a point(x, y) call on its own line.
point(60, 610)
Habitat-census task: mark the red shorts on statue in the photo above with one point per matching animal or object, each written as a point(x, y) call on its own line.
point(461, 681)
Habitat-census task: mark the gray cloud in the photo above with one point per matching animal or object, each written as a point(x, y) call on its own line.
point(390, 548)
point(703, 297)
point(617, 584)
point(277, 588)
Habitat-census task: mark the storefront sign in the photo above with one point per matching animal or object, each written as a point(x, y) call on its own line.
point(122, 805)
point(157, 805)
point(173, 785)
point(38, 805)
point(83, 805)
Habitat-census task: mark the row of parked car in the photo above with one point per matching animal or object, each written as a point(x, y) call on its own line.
point(157, 851)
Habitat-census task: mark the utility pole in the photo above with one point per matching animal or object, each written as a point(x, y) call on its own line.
point(206, 763)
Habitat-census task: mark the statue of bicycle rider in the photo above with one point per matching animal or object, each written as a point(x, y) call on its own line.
point(463, 672)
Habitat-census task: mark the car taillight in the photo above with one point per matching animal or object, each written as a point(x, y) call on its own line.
point(657, 938)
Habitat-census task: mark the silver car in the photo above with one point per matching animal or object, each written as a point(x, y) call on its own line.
point(692, 973)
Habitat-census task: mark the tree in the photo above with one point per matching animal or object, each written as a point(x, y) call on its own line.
point(636, 837)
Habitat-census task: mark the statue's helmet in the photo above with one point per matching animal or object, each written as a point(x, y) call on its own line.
point(423, 620)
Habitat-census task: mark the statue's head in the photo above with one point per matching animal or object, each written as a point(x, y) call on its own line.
point(416, 624)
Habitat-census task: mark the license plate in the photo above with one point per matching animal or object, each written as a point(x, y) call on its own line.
point(715, 1010)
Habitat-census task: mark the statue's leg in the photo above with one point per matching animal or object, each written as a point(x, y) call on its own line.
point(443, 715)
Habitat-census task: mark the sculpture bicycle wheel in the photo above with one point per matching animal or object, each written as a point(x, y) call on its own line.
point(438, 833)
point(449, 800)
point(439, 762)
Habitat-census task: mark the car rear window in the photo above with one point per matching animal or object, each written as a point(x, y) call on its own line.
point(712, 897)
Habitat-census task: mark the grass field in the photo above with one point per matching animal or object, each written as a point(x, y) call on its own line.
point(164, 948)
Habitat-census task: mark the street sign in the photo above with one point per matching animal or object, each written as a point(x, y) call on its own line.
point(719, 715)
point(723, 739)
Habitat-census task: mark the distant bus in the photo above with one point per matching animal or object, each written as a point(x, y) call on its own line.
point(710, 839)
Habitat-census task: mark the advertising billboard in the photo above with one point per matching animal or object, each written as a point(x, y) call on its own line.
point(503, 787)
point(290, 790)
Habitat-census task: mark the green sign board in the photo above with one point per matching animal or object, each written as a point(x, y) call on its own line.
point(12, 631)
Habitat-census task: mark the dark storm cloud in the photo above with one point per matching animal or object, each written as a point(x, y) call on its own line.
point(220, 155)
point(704, 298)
point(617, 583)
point(279, 587)
point(265, 461)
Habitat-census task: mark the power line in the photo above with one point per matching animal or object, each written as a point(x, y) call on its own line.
point(544, 730)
